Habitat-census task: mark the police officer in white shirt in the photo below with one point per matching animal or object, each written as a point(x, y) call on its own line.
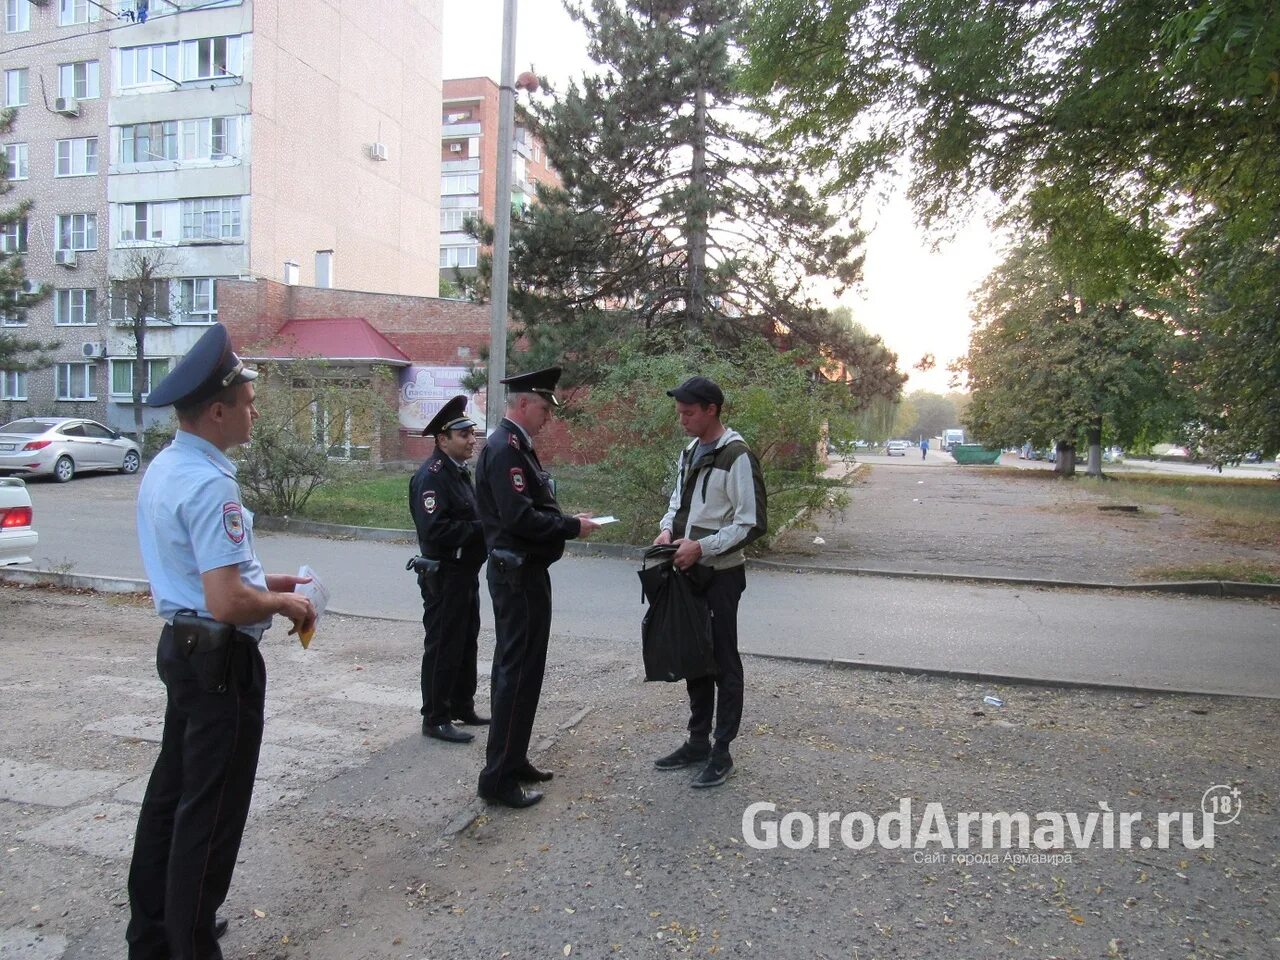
point(197, 545)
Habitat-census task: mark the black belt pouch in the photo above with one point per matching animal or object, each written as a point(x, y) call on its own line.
point(508, 564)
point(207, 645)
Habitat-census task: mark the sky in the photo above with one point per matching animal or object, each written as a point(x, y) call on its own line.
point(916, 298)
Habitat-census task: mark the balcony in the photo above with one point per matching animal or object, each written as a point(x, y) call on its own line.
point(460, 166)
point(452, 131)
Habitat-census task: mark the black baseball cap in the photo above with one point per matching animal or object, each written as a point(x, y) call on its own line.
point(698, 390)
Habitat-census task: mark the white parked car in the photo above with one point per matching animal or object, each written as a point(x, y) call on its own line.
point(896, 448)
point(17, 538)
point(64, 446)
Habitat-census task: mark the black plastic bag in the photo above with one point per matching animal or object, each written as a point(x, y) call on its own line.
point(676, 630)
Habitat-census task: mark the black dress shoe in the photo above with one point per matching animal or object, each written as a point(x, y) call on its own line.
point(220, 927)
point(512, 795)
point(472, 719)
point(531, 774)
point(446, 731)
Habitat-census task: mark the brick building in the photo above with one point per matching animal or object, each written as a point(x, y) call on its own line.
point(469, 168)
point(229, 136)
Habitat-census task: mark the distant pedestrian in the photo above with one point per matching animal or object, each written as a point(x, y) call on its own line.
point(716, 509)
point(924, 448)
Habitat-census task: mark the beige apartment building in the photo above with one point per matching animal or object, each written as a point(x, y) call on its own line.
point(235, 139)
point(469, 168)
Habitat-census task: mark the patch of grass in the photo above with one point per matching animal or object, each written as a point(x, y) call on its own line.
point(1241, 571)
point(377, 500)
point(1239, 510)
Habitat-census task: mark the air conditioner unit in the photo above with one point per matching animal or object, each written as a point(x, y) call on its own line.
point(65, 258)
point(91, 349)
point(378, 151)
point(68, 106)
point(455, 148)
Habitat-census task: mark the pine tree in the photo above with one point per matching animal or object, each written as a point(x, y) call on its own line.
point(16, 294)
point(676, 212)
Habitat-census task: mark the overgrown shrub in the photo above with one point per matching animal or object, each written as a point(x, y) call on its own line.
point(771, 398)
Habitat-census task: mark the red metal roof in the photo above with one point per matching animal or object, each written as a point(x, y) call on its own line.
point(332, 338)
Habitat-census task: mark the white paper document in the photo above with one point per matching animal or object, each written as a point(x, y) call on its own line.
point(603, 520)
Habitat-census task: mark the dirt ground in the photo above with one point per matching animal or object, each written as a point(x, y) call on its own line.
point(951, 519)
point(364, 842)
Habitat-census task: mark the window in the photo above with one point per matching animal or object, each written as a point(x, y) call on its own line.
point(211, 58)
point(15, 155)
point(13, 383)
point(78, 231)
point(122, 376)
point(73, 308)
point(75, 381)
point(460, 183)
point(13, 318)
point(124, 299)
point(211, 218)
point(15, 87)
point(197, 300)
point(13, 237)
point(211, 138)
point(144, 142)
point(78, 80)
point(451, 221)
point(77, 11)
point(147, 222)
point(77, 158)
point(458, 256)
point(17, 16)
point(143, 65)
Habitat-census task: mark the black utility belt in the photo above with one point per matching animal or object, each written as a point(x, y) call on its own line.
point(207, 645)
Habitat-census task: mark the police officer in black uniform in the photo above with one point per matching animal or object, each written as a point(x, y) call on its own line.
point(525, 532)
point(442, 500)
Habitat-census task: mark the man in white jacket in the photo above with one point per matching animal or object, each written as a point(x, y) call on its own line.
point(716, 509)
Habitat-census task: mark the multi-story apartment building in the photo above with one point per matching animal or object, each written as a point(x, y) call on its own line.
point(469, 168)
point(225, 139)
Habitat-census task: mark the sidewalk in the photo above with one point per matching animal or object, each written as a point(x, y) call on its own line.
point(938, 517)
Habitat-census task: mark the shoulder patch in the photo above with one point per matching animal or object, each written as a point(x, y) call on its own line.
point(233, 521)
point(513, 441)
point(517, 480)
point(435, 466)
point(429, 501)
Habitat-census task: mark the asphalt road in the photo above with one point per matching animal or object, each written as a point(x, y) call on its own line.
point(1150, 641)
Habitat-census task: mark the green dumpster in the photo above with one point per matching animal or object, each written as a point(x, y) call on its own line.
point(974, 453)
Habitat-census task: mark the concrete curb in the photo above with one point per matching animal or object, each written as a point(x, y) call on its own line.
point(74, 581)
point(977, 676)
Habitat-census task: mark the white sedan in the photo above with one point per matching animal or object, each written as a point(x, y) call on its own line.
point(17, 539)
point(64, 446)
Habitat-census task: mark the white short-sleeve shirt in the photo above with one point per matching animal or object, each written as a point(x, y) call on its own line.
point(190, 521)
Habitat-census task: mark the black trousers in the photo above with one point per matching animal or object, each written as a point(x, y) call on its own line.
point(522, 615)
point(723, 594)
point(451, 620)
point(196, 804)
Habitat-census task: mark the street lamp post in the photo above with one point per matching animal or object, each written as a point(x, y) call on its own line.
point(502, 219)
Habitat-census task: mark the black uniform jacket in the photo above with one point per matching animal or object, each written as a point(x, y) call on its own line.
point(443, 503)
point(516, 503)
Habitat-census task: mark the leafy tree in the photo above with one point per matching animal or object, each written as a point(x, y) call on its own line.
point(16, 294)
point(675, 215)
point(1045, 364)
point(1142, 140)
point(934, 413)
point(631, 416)
point(302, 405)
